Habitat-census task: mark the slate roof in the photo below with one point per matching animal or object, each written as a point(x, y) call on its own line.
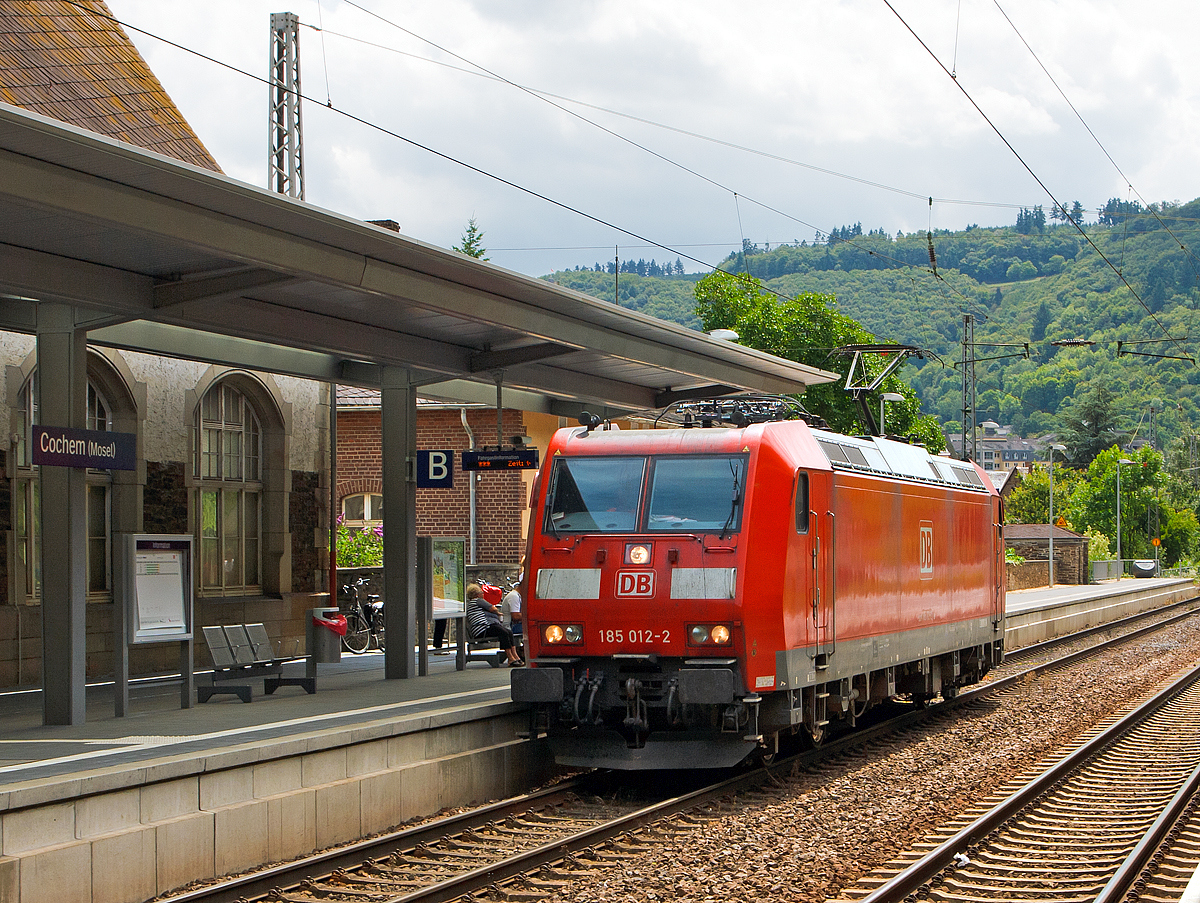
point(1040, 531)
point(71, 61)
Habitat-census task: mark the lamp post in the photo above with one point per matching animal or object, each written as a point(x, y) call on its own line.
point(1120, 563)
point(883, 400)
point(1053, 449)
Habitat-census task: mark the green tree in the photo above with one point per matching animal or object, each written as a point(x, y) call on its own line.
point(805, 329)
point(471, 242)
point(1041, 320)
point(1021, 269)
point(1093, 504)
point(1029, 503)
point(1090, 426)
point(1180, 534)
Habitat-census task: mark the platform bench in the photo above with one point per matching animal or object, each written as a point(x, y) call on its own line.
point(243, 651)
point(487, 649)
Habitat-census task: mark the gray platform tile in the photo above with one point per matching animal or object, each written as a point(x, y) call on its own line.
point(233, 757)
point(377, 730)
point(37, 794)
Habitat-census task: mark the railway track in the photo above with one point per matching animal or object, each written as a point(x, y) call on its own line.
point(1129, 627)
point(534, 846)
point(1083, 829)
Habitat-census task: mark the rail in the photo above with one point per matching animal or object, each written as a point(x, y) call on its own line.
point(954, 852)
point(511, 840)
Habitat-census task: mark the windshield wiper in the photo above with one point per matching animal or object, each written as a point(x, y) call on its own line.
point(737, 498)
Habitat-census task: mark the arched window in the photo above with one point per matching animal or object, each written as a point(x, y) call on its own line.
point(27, 502)
point(362, 508)
point(228, 472)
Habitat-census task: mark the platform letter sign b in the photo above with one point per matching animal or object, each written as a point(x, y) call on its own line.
point(926, 550)
point(435, 469)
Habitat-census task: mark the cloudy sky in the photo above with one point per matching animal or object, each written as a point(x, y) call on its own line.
point(676, 129)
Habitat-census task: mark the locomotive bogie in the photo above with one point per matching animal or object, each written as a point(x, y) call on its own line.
point(740, 585)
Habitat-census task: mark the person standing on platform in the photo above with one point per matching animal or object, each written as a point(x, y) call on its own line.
point(510, 612)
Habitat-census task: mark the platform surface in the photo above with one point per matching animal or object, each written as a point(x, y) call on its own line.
point(350, 693)
point(1017, 601)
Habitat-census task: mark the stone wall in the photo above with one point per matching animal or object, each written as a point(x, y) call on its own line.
point(306, 505)
point(165, 500)
point(1029, 575)
point(1070, 559)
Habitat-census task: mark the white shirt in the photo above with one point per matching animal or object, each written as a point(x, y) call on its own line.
point(510, 608)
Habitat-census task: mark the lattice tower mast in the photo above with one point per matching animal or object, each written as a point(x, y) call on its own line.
point(970, 450)
point(285, 167)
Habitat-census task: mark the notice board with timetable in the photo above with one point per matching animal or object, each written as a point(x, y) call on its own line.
point(160, 595)
point(154, 605)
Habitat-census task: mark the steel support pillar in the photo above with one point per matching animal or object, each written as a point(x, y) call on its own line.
point(62, 401)
point(398, 401)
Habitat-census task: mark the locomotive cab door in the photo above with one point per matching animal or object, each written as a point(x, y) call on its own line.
point(814, 528)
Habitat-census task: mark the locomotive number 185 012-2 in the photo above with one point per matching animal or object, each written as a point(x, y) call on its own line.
point(635, 636)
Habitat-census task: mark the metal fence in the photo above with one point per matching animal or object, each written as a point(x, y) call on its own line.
point(1107, 569)
point(1189, 571)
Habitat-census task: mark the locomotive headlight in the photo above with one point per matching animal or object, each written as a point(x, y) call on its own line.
point(637, 553)
point(708, 634)
point(571, 633)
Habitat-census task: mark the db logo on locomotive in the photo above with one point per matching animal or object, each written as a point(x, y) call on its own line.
point(926, 549)
point(635, 583)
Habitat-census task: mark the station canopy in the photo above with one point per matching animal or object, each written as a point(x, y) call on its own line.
point(166, 258)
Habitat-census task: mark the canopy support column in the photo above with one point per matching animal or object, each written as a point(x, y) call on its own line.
point(398, 402)
point(62, 402)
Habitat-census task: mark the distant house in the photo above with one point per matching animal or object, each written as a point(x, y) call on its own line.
point(1005, 481)
point(999, 448)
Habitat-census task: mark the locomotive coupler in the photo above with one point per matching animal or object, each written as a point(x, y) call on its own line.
point(674, 708)
point(636, 717)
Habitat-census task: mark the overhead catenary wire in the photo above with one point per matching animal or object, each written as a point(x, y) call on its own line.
point(479, 69)
point(1029, 169)
point(605, 129)
point(649, 242)
point(1148, 207)
point(700, 136)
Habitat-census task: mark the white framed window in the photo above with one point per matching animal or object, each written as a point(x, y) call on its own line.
point(228, 472)
point(363, 507)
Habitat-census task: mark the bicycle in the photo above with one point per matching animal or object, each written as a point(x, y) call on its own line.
point(364, 620)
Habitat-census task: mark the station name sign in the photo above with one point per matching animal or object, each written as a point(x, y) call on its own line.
point(60, 446)
point(506, 459)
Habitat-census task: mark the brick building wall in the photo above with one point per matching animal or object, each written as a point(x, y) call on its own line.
point(500, 498)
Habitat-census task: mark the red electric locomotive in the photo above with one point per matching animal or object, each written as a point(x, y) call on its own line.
point(695, 594)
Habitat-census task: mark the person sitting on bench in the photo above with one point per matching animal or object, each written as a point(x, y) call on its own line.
point(483, 619)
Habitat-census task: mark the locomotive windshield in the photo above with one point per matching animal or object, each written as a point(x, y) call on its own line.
point(687, 494)
point(595, 495)
point(690, 494)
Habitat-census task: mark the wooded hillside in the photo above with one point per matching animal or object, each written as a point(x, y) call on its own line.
point(1034, 282)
